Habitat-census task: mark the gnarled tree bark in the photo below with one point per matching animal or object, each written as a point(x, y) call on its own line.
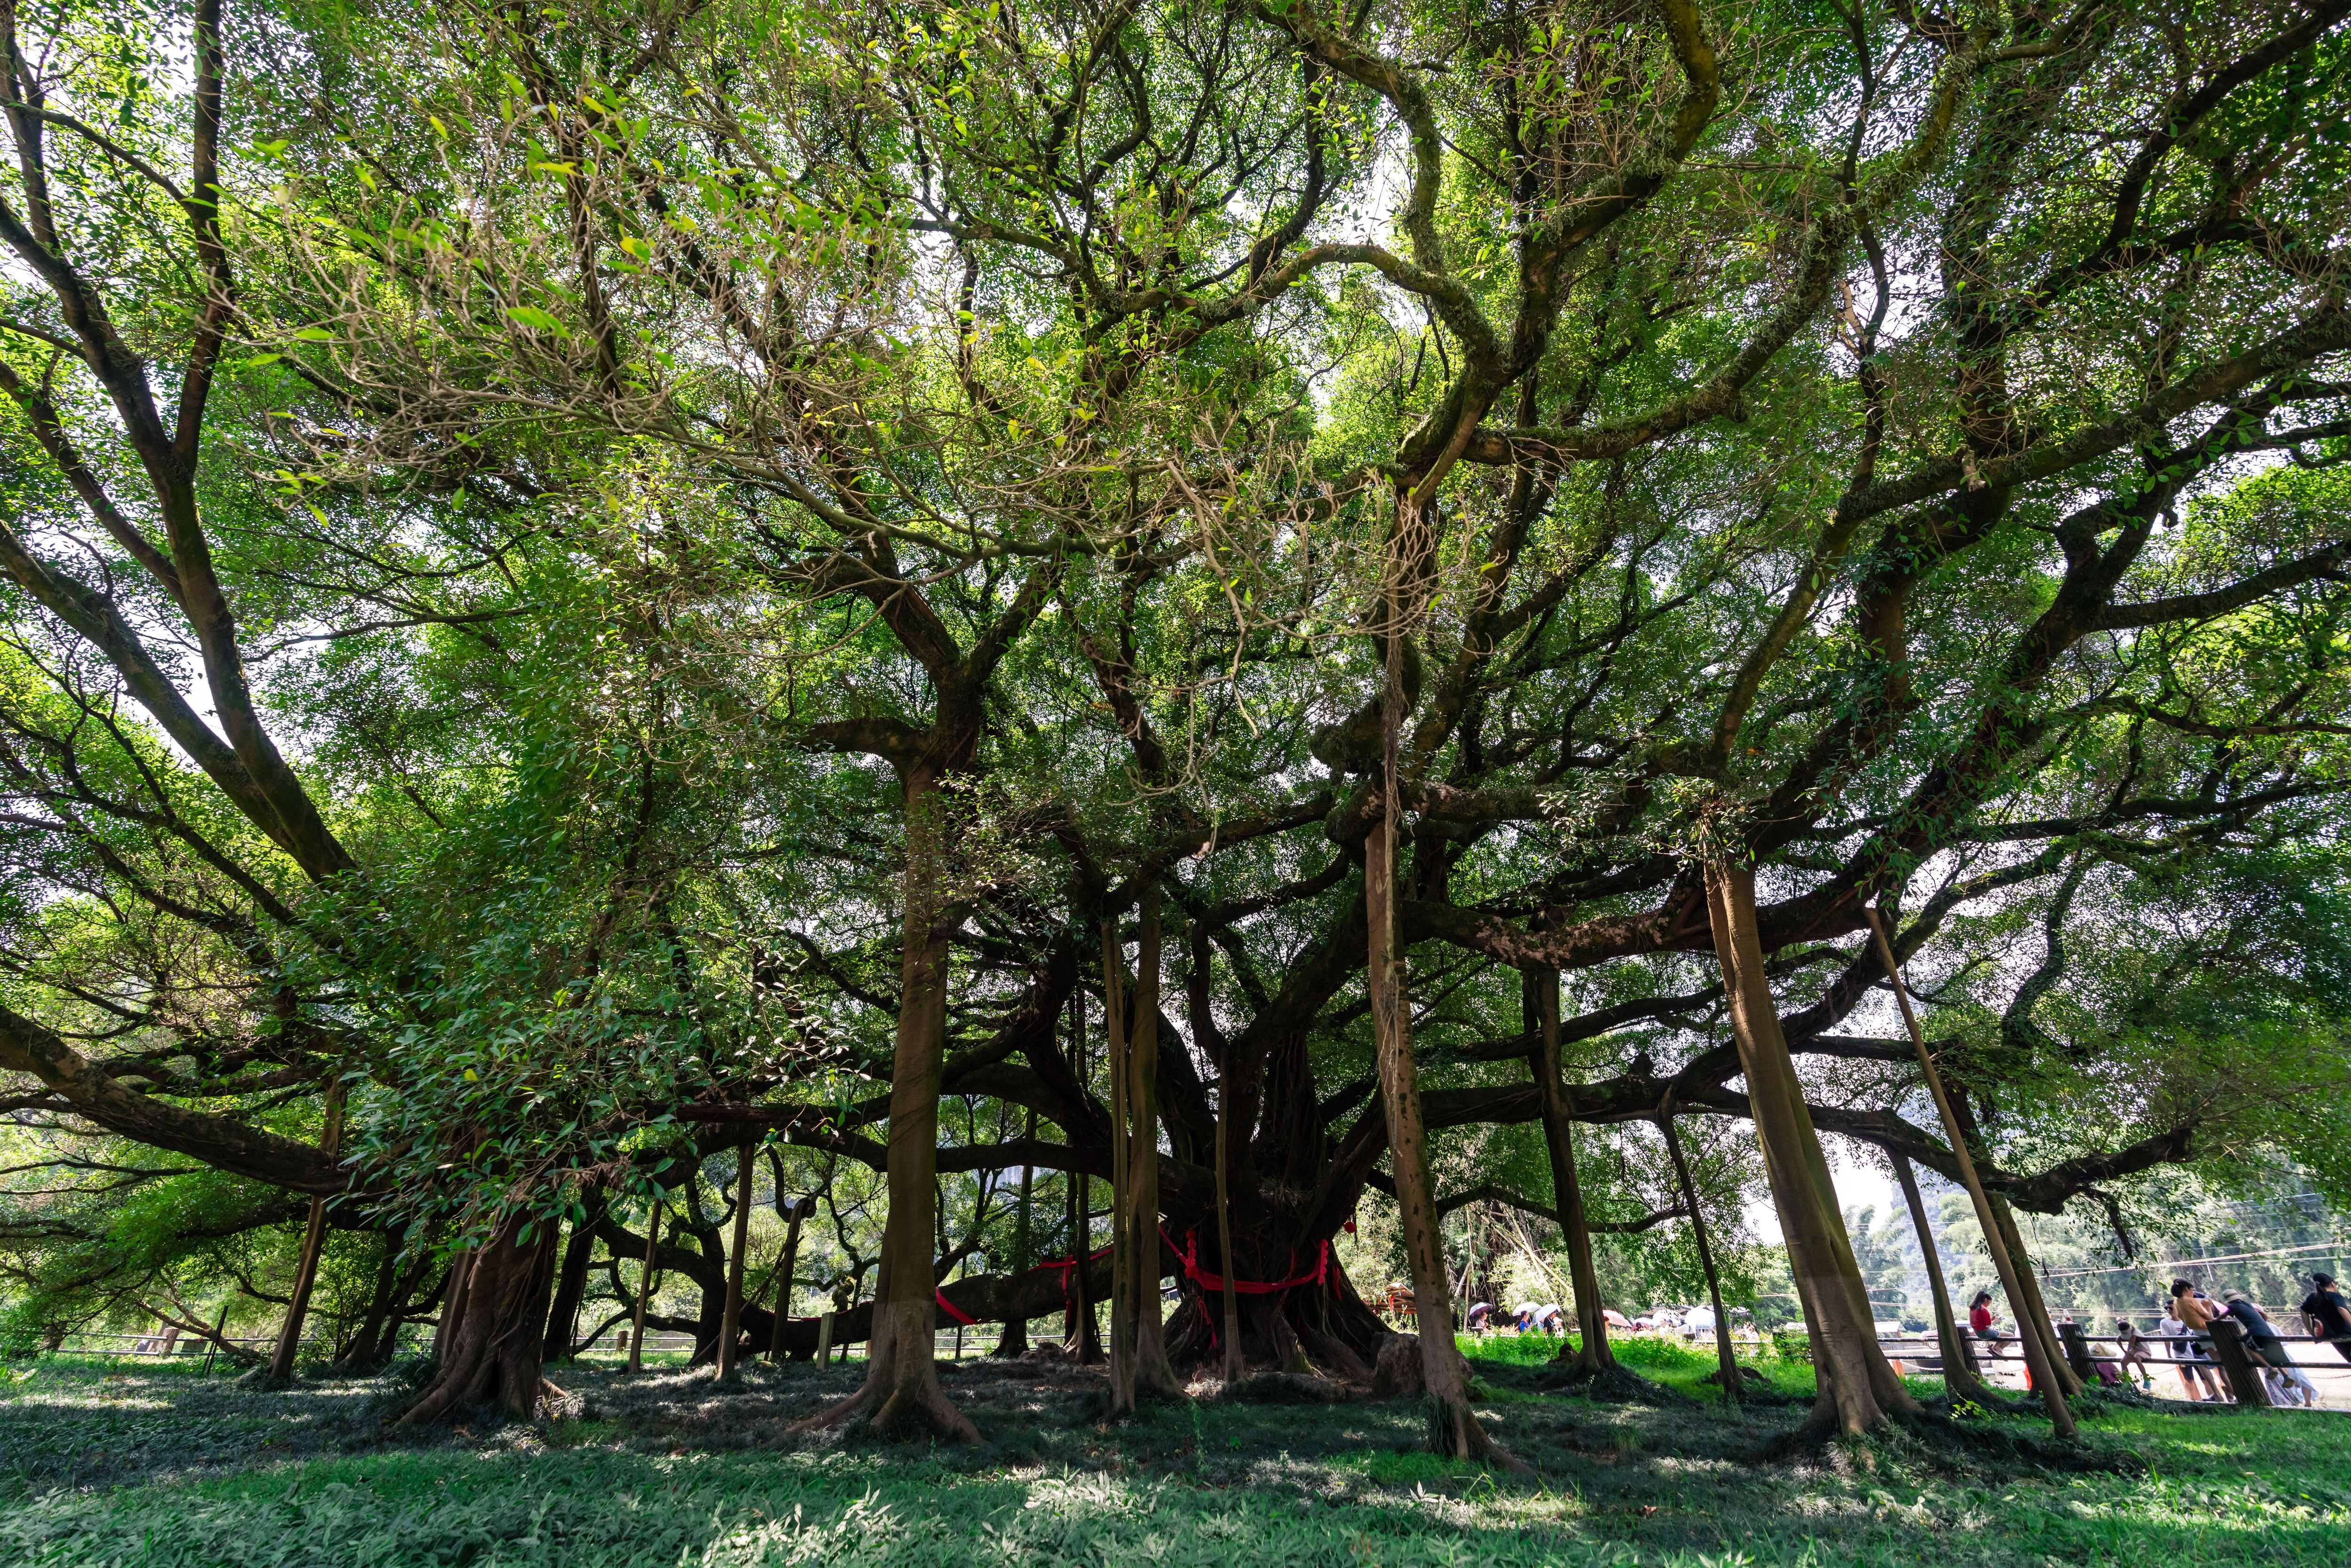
point(902, 1378)
point(494, 1349)
point(572, 1278)
point(1139, 1348)
point(1857, 1386)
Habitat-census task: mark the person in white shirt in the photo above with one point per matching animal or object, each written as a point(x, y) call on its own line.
point(1698, 1323)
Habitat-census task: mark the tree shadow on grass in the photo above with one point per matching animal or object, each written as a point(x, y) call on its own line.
point(664, 1467)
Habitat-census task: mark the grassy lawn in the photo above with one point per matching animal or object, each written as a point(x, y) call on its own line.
point(159, 1467)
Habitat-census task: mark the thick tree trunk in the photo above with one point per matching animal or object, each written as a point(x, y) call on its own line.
point(453, 1302)
point(1138, 1347)
point(1958, 1373)
point(1858, 1388)
point(494, 1353)
point(793, 1215)
point(1454, 1430)
point(314, 1240)
point(2038, 1357)
point(902, 1377)
point(710, 1283)
point(1726, 1358)
point(379, 1332)
point(1592, 1353)
point(730, 1319)
point(572, 1278)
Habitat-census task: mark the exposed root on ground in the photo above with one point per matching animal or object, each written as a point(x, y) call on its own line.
point(917, 1407)
point(2092, 1400)
point(1455, 1433)
point(1611, 1385)
point(1995, 1403)
point(923, 1408)
point(1286, 1388)
point(833, 1415)
point(1748, 1378)
point(1933, 1440)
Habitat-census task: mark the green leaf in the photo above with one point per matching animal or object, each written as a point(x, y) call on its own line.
point(538, 320)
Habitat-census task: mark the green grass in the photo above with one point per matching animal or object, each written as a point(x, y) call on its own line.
point(1676, 1365)
point(159, 1470)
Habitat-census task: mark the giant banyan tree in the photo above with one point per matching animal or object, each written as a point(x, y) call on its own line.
point(1243, 594)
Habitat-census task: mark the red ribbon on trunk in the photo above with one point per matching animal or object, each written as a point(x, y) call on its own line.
point(1066, 1264)
point(1190, 1253)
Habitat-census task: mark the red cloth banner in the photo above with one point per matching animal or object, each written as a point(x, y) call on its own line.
point(1190, 1253)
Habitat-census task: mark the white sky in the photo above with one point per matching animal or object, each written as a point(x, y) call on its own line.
point(1856, 1184)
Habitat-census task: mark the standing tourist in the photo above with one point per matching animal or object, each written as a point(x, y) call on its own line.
point(2329, 1315)
point(2289, 1384)
point(2193, 1368)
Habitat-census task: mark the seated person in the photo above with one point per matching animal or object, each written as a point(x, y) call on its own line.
point(2137, 1352)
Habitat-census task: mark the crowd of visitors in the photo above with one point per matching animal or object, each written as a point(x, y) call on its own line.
point(1551, 1318)
point(2182, 1336)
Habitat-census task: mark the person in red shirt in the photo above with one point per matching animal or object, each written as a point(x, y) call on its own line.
point(1979, 1325)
